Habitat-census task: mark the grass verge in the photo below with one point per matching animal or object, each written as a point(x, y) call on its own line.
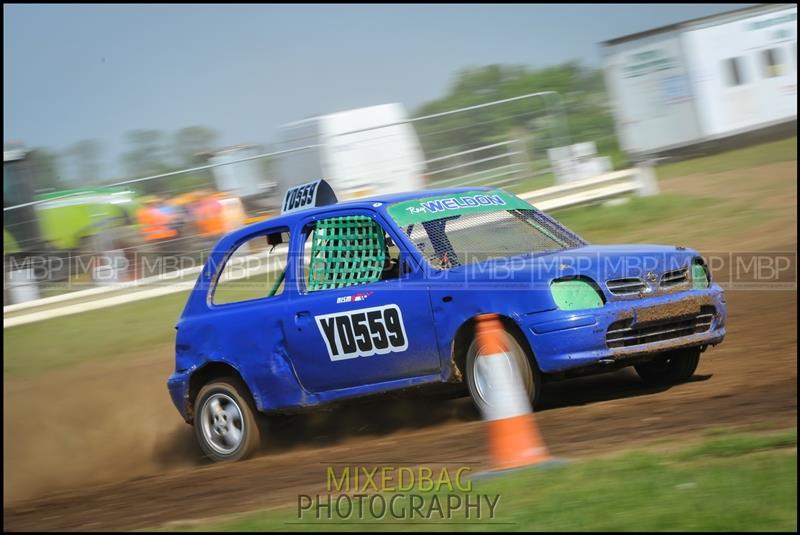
point(776, 151)
point(110, 333)
point(729, 482)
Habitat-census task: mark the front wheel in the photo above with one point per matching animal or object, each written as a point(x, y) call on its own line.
point(517, 359)
point(225, 422)
point(670, 368)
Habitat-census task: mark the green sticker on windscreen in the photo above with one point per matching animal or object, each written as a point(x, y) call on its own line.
point(469, 202)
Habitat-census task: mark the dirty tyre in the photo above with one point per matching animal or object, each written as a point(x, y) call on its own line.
point(669, 369)
point(518, 356)
point(226, 426)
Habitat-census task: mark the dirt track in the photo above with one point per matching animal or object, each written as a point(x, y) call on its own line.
point(750, 380)
point(99, 446)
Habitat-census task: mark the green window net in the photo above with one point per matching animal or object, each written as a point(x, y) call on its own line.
point(345, 251)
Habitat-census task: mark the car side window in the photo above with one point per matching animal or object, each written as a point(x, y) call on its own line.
point(255, 270)
point(349, 251)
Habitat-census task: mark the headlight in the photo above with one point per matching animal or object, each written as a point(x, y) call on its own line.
point(576, 294)
point(700, 276)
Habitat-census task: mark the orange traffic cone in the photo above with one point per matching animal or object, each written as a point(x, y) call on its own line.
point(514, 439)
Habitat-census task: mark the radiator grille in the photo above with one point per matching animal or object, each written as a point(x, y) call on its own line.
point(624, 334)
point(678, 277)
point(627, 286)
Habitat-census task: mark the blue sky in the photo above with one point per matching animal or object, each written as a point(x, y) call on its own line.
point(74, 72)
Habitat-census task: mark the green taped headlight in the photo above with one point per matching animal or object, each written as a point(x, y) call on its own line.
point(575, 294)
point(699, 275)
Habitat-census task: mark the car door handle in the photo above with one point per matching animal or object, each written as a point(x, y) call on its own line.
point(302, 317)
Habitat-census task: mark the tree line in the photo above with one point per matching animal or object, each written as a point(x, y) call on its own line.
point(149, 152)
point(582, 91)
point(583, 99)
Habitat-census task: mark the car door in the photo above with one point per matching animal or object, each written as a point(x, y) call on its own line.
point(347, 325)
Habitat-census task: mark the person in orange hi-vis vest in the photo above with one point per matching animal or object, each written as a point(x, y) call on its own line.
point(155, 224)
point(209, 214)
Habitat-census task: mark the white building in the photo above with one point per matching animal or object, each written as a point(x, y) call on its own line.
point(359, 152)
point(703, 79)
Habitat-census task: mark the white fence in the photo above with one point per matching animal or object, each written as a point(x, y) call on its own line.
point(618, 184)
point(452, 140)
point(639, 181)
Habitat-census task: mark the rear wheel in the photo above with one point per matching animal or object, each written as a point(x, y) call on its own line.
point(517, 359)
point(225, 422)
point(670, 368)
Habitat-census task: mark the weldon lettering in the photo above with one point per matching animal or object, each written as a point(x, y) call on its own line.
point(455, 203)
point(363, 333)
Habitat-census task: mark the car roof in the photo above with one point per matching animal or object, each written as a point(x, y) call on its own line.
point(365, 202)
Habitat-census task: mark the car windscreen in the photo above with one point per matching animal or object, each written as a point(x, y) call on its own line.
point(466, 228)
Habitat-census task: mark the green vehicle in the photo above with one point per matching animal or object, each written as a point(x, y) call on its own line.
point(60, 222)
point(67, 219)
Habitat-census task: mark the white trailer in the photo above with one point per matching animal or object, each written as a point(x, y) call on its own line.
point(358, 152)
point(704, 79)
point(246, 179)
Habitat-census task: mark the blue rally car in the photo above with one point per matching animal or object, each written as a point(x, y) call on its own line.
point(338, 300)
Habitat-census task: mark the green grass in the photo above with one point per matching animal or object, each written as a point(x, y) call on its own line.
point(115, 332)
point(728, 444)
point(726, 483)
point(543, 180)
point(664, 218)
point(110, 333)
point(533, 183)
point(602, 223)
point(775, 151)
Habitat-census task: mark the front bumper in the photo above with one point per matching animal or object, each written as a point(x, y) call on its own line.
point(565, 340)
